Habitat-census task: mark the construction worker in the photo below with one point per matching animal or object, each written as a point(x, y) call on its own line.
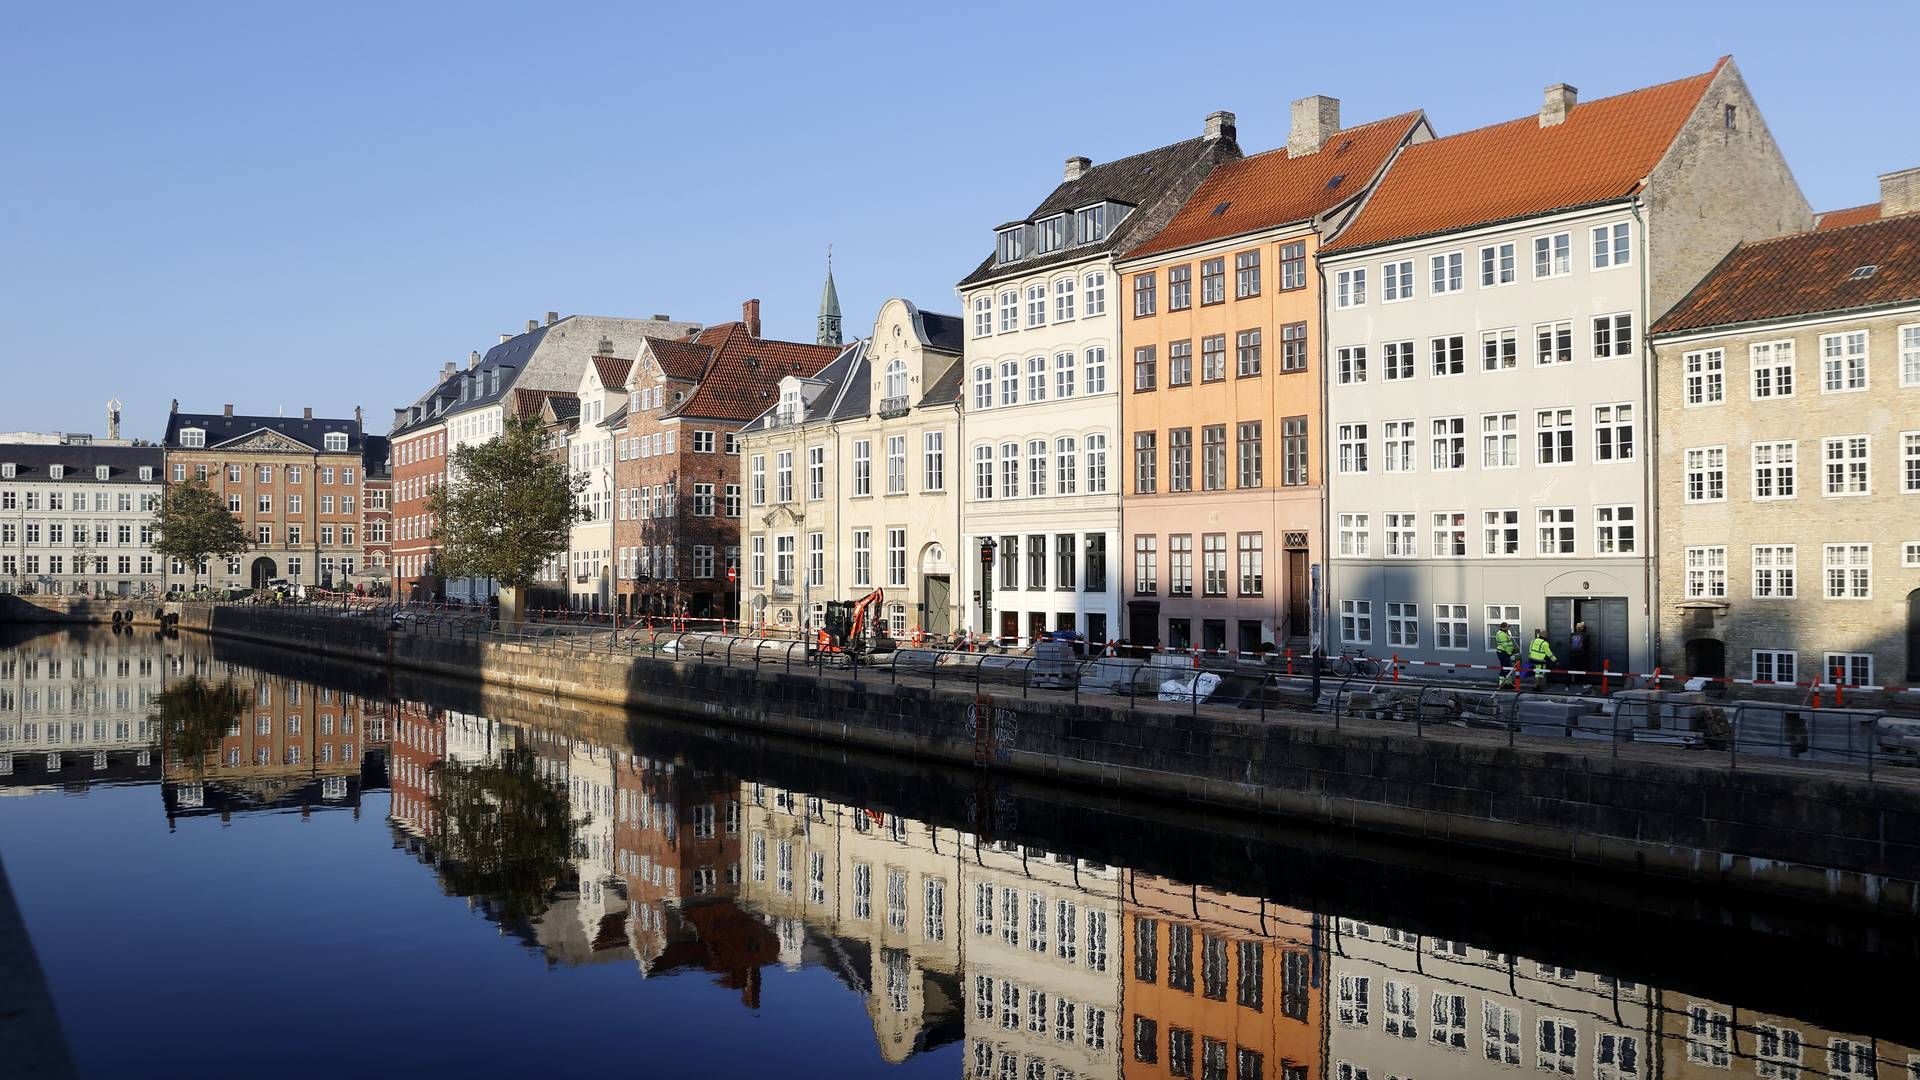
point(1540, 655)
point(1503, 650)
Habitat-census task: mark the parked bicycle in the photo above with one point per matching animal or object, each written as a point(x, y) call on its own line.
point(1354, 664)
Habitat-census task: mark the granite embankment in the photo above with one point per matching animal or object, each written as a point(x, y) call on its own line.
point(1826, 834)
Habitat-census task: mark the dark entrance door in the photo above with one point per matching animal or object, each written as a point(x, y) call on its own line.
point(1009, 627)
point(1707, 658)
point(1606, 619)
point(1298, 621)
point(1143, 624)
point(1913, 636)
point(264, 571)
point(1036, 625)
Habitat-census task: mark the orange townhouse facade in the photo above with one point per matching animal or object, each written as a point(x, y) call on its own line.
point(1220, 985)
point(1223, 502)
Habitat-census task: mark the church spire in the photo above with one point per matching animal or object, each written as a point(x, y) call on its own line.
point(829, 307)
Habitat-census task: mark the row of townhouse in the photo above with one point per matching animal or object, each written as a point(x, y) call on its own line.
point(1381, 390)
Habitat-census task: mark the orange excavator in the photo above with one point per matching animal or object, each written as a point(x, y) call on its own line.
point(849, 629)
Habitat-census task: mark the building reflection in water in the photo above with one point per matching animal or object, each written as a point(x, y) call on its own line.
point(1038, 964)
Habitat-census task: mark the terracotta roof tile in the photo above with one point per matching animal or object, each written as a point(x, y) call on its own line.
point(527, 402)
point(612, 370)
point(742, 371)
point(1273, 188)
point(680, 358)
point(1809, 273)
point(1602, 151)
point(1852, 215)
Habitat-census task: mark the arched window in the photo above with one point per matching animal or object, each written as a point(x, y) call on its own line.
point(1009, 310)
point(1037, 304)
point(1009, 382)
point(1096, 464)
point(1063, 375)
point(1036, 466)
point(1069, 466)
point(1063, 299)
point(983, 386)
point(1010, 470)
point(1036, 378)
point(896, 380)
point(983, 472)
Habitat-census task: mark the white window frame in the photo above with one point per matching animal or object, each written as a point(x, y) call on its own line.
point(1446, 272)
point(1401, 535)
point(1776, 660)
point(1355, 535)
point(1706, 468)
point(1706, 572)
point(1356, 622)
point(1499, 441)
point(1499, 264)
point(1552, 256)
point(1856, 668)
point(1396, 281)
point(1846, 462)
point(1616, 529)
point(1854, 563)
point(1350, 288)
point(1606, 242)
point(1704, 378)
point(1770, 365)
point(1777, 566)
point(1607, 418)
point(1556, 532)
point(1403, 624)
point(1451, 622)
point(1780, 467)
point(1837, 362)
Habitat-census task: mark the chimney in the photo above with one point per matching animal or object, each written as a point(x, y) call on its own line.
point(1077, 167)
point(552, 317)
point(446, 371)
point(356, 416)
point(473, 361)
point(1220, 126)
point(532, 325)
point(306, 413)
point(1559, 102)
point(229, 409)
point(662, 317)
point(750, 314)
point(1315, 119)
point(504, 338)
point(176, 406)
point(1900, 192)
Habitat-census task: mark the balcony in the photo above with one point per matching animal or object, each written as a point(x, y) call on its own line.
point(783, 589)
point(892, 407)
point(781, 418)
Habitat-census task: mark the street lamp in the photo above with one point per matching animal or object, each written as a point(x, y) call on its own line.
point(987, 547)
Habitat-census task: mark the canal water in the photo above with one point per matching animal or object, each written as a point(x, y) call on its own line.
point(246, 862)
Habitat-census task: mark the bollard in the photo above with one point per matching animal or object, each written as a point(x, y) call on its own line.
point(1289, 663)
point(1839, 689)
point(1606, 667)
point(1396, 667)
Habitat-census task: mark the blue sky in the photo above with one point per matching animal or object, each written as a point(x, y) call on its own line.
point(284, 205)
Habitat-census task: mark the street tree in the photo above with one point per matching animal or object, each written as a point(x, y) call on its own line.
point(507, 508)
point(196, 526)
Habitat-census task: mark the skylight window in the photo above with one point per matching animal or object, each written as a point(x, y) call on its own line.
point(1863, 273)
point(1335, 182)
point(1221, 209)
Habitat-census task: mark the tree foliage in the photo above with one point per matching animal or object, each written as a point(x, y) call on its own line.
point(195, 526)
point(194, 715)
point(504, 833)
point(507, 507)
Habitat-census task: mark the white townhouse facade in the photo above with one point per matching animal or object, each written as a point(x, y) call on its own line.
point(1488, 378)
point(78, 517)
point(1041, 392)
point(590, 453)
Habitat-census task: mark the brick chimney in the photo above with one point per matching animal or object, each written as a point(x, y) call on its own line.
point(1560, 100)
point(1077, 167)
point(229, 409)
point(1315, 119)
point(306, 413)
point(1900, 192)
point(1220, 126)
point(750, 314)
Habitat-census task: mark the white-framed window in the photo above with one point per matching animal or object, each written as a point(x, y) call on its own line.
point(1403, 624)
point(1450, 534)
point(1910, 554)
point(1558, 1048)
point(1350, 288)
point(983, 472)
point(1612, 245)
point(1612, 335)
point(1063, 374)
point(1613, 432)
point(1706, 377)
point(983, 387)
point(1449, 443)
point(1010, 470)
point(1352, 448)
point(1552, 255)
point(1037, 304)
point(816, 558)
point(896, 465)
point(1849, 669)
point(1849, 571)
point(1772, 366)
point(757, 475)
point(1397, 441)
point(334, 440)
point(1910, 462)
point(1449, 355)
point(983, 315)
point(1400, 536)
point(1553, 437)
point(1773, 571)
point(1096, 449)
point(1706, 473)
point(1553, 343)
point(1036, 378)
point(862, 557)
point(1009, 310)
point(1500, 441)
point(1706, 573)
point(1093, 292)
point(783, 476)
point(1497, 265)
point(862, 470)
point(1063, 299)
point(193, 437)
point(1356, 628)
point(1396, 281)
point(1096, 370)
point(1066, 461)
point(1846, 461)
point(816, 473)
point(1843, 362)
point(1352, 363)
point(1499, 350)
point(1776, 666)
point(1355, 536)
point(1500, 532)
point(1450, 626)
point(1447, 273)
point(1615, 531)
point(897, 558)
point(1502, 613)
point(1554, 530)
point(933, 453)
point(1009, 382)
point(758, 564)
point(1399, 360)
point(1774, 469)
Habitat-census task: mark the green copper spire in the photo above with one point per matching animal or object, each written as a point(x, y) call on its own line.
point(829, 307)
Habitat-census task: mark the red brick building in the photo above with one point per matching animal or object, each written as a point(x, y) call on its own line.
point(677, 479)
point(376, 512)
point(418, 453)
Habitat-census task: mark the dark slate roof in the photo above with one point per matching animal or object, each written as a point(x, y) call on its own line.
point(946, 333)
point(374, 451)
point(1145, 181)
point(447, 389)
point(1806, 274)
point(221, 428)
point(564, 408)
point(614, 420)
point(511, 356)
point(947, 388)
point(30, 461)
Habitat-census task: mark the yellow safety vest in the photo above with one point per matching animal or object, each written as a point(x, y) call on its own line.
point(1540, 650)
point(1502, 642)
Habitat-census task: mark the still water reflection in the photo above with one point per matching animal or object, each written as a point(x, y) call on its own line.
point(276, 869)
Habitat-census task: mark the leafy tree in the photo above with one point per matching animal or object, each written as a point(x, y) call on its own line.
point(194, 715)
point(508, 507)
point(195, 526)
point(504, 833)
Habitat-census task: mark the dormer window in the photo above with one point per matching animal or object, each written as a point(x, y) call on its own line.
point(193, 436)
point(494, 382)
point(1013, 243)
point(100, 472)
point(791, 409)
point(56, 472)
point(1090, 224)
point(1053, 234)
point(7, 470)
point(146, 473)
point(334, 440)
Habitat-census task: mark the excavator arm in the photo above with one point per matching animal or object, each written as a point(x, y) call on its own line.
point(856, 631)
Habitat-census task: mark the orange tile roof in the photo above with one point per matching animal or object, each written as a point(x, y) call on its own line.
point(1852, 215)
point(612, 370)
point(1275, 188)
point(1810, 273)
point(681, 358)
point(743, 371)
point(1602, 151)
